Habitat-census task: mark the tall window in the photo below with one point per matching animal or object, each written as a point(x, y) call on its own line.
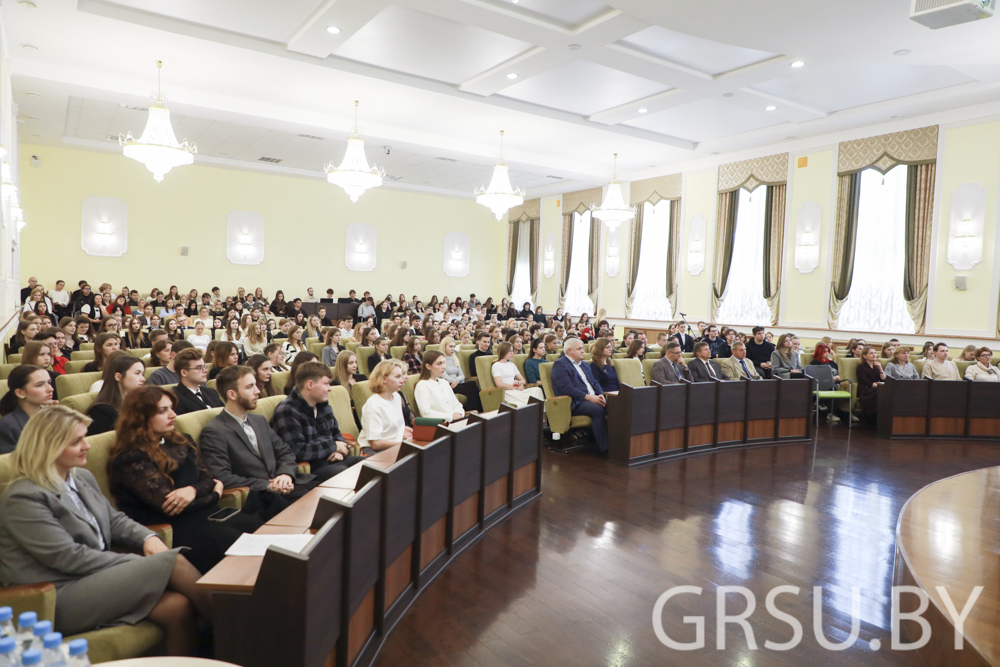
point(875, 302)
point(577, 288)
point(649, 296)
point(744, 302)
point(521, 290)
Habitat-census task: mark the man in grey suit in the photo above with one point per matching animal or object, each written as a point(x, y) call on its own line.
point(703, 367)
point(670, 368)
point(738, 366)
point(241, 449)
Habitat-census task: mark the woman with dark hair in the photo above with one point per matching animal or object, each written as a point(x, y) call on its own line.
point(294, 346)
point(600, 363)
point(40, 354)
point(173, 333)
point(120, 377)
point(536, 357)
point(104, 345)
point(261, 367)
point(332, 346)
point(84, 330)
point(26, 331)
point(401, 337)
point(300, 358)
point(162, 358)
point(870, 376)
point(278, 306)
point(156, 477)
point(412, 357)
point(225, 354)
point(135, 338)
point(28, 389)
point(433, 393)
point(68, 326)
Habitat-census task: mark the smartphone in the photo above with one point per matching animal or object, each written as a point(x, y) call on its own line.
point(224, 514)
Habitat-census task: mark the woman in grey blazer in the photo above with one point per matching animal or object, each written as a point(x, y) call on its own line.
point(785, 360)
point(57, 527)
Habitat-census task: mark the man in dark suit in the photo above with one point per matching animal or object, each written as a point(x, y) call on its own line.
point(571, 377)
point(685, 340)
point(241, 449)
point(26, 291)
point(192, 394)
point(670, 368)
point(703, 367)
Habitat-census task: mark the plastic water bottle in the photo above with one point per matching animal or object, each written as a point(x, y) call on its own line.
point(41, 629)
point(8, 651)
point(25, 631)
point(6, 622)
point(31, 657)
point(52, 655)
point(78, 654)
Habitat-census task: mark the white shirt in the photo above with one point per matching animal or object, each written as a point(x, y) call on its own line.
point(578, 365)
point(505, 370)
point(208, 322)
point(382, 420)
point(436, 399)
point(60, 297)
point(201, 342)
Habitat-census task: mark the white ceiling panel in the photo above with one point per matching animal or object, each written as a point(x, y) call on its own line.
point(566, 13)
point(839, 86)
point(583, 87)
point(704, 120)
point(694, 52)
point(406, 40)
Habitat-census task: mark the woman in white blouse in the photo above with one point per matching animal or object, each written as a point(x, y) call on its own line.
point(199, 338)
point(506, 376)
point(382, 424)
point(433, 393)
point(982, 370)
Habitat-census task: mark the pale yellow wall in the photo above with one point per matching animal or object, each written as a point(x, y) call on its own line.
point(700, 197)
point(804, 295)
point(971, 154)
point(304, 230)
point(548, 288)
point(612, 292)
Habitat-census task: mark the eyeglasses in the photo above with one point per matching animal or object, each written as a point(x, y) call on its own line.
point(200, 368)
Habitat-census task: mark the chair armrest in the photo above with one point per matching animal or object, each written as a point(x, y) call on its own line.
point(165, 531)
point(39, 598)
point(304, 468)
point(559, 411)
point(235, 497)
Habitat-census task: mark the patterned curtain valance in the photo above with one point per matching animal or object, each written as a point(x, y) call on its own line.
point(580, 201)
point(748, 174)
point(655, 189)
point(885, 151)
point(529, 210)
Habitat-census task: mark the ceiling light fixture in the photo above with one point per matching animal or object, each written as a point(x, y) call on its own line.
point(902, 52)
point(898, 117)
point(157, 148)
point(499, 197)
point(29, 47)
point(770, 107)
point(573, 47)
point(798, 63)
point(512, 75)
point(729, 94)
point(333, 30)
point(32, 93)
point(643, 110)
point(354, 174)
point(28, 4)
point(613, 211)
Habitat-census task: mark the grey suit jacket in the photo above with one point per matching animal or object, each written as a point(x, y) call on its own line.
point(44, 536)
point(731, 367)
point(663, 372)
point(10, 429)
point(227, 452)
point(700, 373)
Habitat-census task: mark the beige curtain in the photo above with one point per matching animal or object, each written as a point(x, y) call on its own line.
point(774, 235)
point(513, 231)
point(594, 261)
point(725, 233)
point(672, 254)
point(534, 227)
point(845, 232)
point(635, 229)
point(919, 213)
point(567, 250)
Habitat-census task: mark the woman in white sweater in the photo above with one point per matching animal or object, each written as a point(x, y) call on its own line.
point(433, 393)
point(382, 423)
point(983, 370)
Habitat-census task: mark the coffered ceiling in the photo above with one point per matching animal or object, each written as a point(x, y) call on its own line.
point(659, 82)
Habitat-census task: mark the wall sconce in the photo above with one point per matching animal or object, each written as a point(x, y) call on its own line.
point(103, 225)
point(549, 255)
point(360, 246)
point(807, 233)
point(613, 260)
point(697, 233)
point(245, 237)
point(965, 231)
point(456, 254)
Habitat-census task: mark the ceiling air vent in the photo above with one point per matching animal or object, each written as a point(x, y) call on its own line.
point(446, 159)
point(129, 106)
point(392, 178)
point(311, 136)
point(272, 160)
point(555, 178)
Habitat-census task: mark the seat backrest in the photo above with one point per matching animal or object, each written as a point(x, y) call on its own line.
point(79, 402)
point(351, 345)
point(139, 352)
point(210, 384)
point(463, 361)
point(191, 423)
point(74, 356)
point(545, 373)
point(467, 346)
point(86, 346)
point(363, 353)
point(5, 473)
point(3, 390)
point(629, 371)
point(149, 371)
point(484, 369)
point(279, 380)
point(618, 355)
point(397, 351)
point(408, 388)
point(75, 367)
point(519, 360)
point(97, 461)
point(266, 406)
point(433, 347)
point(77, 383)
point(962, 366)
point(6, 369)
point(647, 369)
point(16, 358)
point(807, 358)
point(340, 401)
point(316, 348)
point(919, 365)
point(823, 376)
point(361, 392)
point(848, 368)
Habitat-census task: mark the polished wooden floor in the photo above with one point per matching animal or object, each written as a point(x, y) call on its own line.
point(572, 580)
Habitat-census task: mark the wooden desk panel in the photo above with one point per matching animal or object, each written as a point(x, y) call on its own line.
point(918, 409)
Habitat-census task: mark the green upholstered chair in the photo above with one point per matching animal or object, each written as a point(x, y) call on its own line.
point(86, 346)
point(558, 409)
point(361, 392)
point(364, 352)
point(279, 380)
point(15, 359)
point(962, 366)
point(3, 388)
point(519, 360)
point(827, 389)
point(848, 368)
point(210, 384)
point(647, 369)
point(918, 364)
point(316, 347)
point(397, 351)
point(77, 356)
point(432, 347)
point(266, 406)
point(352, 345)
point(463, 362)
point(629, 372)
point(79, 402)
point(76, 383)
point(6, 369)
point(490, 394)
point(618, 355)
point(149, 371)
point(76, 367)
point(807, 358)
point(139, 352)
point(340, 401)
point(408, 388)
point(467, 346)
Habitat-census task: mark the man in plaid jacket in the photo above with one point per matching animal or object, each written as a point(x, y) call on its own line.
point(305, 422)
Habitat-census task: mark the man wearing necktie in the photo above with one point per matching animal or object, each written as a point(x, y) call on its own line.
point(703, 367)
point(738, 367)
point(670, 368)
point(192, 393)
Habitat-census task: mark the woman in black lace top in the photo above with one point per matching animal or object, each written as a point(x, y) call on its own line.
point(156, 477)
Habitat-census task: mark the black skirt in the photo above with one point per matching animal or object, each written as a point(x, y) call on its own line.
point(208, 540)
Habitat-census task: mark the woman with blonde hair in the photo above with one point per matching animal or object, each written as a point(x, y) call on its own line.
point(899, 366)
point(969, 353)
point(55, 507)
point(784, 361)
point(293, 344)
point(456, 377)
point(255, 340)
point(382, 423)
point(359, 331)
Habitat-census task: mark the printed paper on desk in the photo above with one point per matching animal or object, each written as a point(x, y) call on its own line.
point(256, 545)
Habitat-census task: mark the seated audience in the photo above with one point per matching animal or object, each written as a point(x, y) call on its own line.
point(636, 350)
point(759, 351)
point(380, 354)
point(928, 351)
point(382, 422)
point(855, 349)
point(162, 358)
point(156, 476)
point(135, 337)
point(412, 357)
point(870, 376)
point(26, 332)
point(703, 367)
point(122, 375)
point(671, 367)
point(41, 540)
point(536, 357)
point(225, 354)
point(331, 346)
point(192, 393)
point(983, 370)
point(784, 360)
point(433, 392)
point(484, 344)
point(899, 366)
point(38, 353)
point(28, 389)
point(293, 344)
point(199, 338)
point(887, 350)
point(507, 377)
point(456, 377)
point(104, 345)
point(54, 339)
point(823, 356)
point(262, 368)
point(968, 354)
point(736, 366)
point(571, 377)
point(726, 346)
point(601, 366)
point(277, 357)
point(940, 367)
point(300, 358)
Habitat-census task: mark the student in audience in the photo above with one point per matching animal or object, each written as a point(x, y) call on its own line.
point(104, 345)
point(226, 354)
point(262, 369)
point(899, 366)
point(887, 350)
point(192, 393)
point(726, 346)
point(823, 356)
point(784, 361)
point(84, 330)
point(346, 372)
point(300, 358)
point(68, 327)
point(54, 339)
point(205, 317)
point(941, 367)
point(156, 476)
point(331, 346)
point(278, 306)
point(39, 353)
point(199, 338)
point(135, 338)
point(636, 350)
point(968, 354)
point(601, 366)
point(516, 342)
point(162, 358)
point(572, 377)
point(713, 339)
point(507, 377)
point(412, 357)
point(401, 337)
point(737, 366)
point(483, 349)
point(382, 422)
point(41, 540)
point(928, 351)
point(293, 345)
point(982, 370)
point(26, 331)
point(380, 354)
point(855, 349)
point(759, 351)
point(536, 357)
point(313, 327)
point(232, 333)
point(28, 389)
point(256, 338)
point(433, 392)
point(870, 376)
point(305, 422)
point(703, 367)
point(456, 378)
point(276, 354)
point(671, 367)
point(122, 375)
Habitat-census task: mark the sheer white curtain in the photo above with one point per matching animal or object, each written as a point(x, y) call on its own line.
point(876, 301)
point(577, 297)
point(521, 290)
point(744, 302)
point(649, 297)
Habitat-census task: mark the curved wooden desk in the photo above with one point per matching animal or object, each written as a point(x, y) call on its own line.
point(948, 535)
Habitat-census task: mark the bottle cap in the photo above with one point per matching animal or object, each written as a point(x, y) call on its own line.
point(6, 613)
point(52, 640)
point(78, 647)
point(7, 645)
point(42, 628)
point(27, 618)
point(31, 657)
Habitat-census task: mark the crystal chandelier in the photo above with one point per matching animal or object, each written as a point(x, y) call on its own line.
point(613, 210)
point(499, 197)
point(354, 174)
point(157, 148)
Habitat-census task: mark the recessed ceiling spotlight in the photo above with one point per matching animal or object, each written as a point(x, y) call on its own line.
point(573, 47)
point(798, 63)
point(770, 107)
point(729, 94)
point(902, 52)
point(898, 117)
point(333, 30)
point(29, 47)
point(512, 75)
point(28, 4)
point(32, 93)
point(789, 138)
point(515, 1)
point(643, 110)
point(713, 153)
